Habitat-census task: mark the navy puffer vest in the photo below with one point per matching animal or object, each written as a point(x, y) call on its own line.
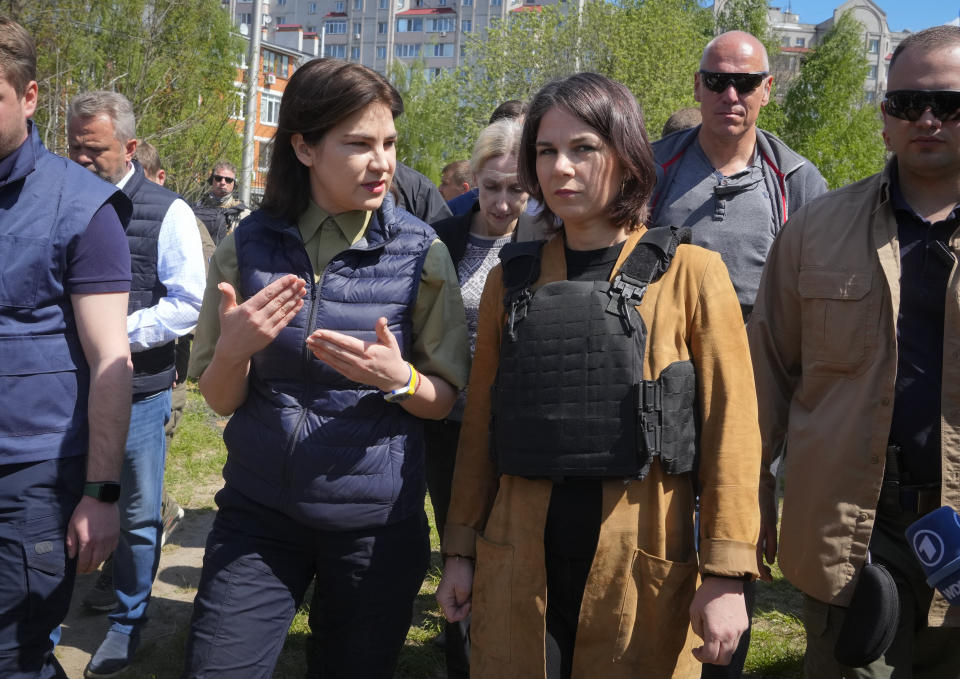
point(153, 369)
point(46, 204)
point(307, 441)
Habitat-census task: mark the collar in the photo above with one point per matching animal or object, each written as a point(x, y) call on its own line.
point(23, 159)
point(899, 203)
point(352, 225)
point(123, 182)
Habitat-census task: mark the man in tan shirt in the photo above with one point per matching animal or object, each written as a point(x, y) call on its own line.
point(855, 339)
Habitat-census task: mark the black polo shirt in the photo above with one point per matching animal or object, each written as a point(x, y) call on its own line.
point(926, 260)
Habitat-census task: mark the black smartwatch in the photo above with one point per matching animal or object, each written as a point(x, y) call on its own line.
point(105, 491)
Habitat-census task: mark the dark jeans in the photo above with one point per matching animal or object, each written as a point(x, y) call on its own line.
point(735, 668)
point(36, 577)
point(256, 570)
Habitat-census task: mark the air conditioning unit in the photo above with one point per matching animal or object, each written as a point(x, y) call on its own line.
point(356, 36)
point(443, 34)
point(270, 79)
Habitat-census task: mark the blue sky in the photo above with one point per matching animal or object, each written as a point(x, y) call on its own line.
point(914, 15)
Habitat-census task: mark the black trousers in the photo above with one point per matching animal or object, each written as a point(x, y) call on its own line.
point(256, 570)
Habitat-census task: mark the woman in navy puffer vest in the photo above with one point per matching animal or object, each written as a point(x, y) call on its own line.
point(331, 323)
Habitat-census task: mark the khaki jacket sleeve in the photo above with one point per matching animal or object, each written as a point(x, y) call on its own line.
point(729, 437)
point(774, 334)
point(475, 480)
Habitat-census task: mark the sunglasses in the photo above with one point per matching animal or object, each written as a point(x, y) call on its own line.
point(911, 104)
point(221, 178)
point(743, 83)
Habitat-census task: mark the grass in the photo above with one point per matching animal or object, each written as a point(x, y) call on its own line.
point(194, 463)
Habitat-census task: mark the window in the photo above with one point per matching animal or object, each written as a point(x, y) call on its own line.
point(441, 3)
point(785, 42)
point(239, 105)
point(311, 8)
point(467, 3)
point(431, 74)
point(871, 97)
point(281, 20)
point(873, 46)
point(266, 152)
point(872, 73)
point(269, 108)
point(356, 27)
point(437, 25)
point(358, 5)
point(496, 3)
point(383, 4)
point(338, 6)
point(443, 49)
point(463, 51)
point(355, 54)
point(311, 29)
point(381, 53)
point(409, 25)
point(335, 51)
point(800, 42)
point(411, 50)
point(381, 28)
point(275, 63)
point(281, 2)
point(246, 18)
point(466, 25)
point(336, 27)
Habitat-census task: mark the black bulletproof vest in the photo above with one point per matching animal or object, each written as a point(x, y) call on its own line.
point(570, 399)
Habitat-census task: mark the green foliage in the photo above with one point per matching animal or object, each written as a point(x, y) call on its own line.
point(175, 60)
point(827, 119)
point(749, 16)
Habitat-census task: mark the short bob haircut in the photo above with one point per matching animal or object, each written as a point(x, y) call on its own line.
point(614, 113)
point(319, 95)
point(502, 138)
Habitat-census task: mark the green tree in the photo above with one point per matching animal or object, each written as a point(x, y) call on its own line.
point(826, 117)
point(749, 16)
point(175, 60)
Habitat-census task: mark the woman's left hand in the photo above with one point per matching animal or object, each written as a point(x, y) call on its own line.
point(379, 364)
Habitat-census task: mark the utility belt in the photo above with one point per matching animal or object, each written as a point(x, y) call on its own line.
point(899, 494)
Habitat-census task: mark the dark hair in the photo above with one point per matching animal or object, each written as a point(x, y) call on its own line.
point(614, 113)
point(682, 119)
point(927, 39)
point(18, 55)
point(511, 108)
point(319, 95)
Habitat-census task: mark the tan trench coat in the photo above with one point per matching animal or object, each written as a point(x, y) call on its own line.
point(634, 620)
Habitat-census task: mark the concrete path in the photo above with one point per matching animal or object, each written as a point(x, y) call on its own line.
point(170, 606)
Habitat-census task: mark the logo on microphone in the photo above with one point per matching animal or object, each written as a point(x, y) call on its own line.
point(928, 547)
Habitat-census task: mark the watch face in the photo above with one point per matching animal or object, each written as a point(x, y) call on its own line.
point(109, 492)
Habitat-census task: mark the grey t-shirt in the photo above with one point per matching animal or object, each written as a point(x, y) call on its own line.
point(729, 215)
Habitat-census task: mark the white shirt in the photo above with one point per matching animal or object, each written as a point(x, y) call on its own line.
point(180, 269)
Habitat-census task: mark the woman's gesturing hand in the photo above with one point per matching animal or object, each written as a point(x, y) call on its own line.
point(379, 364)
point(455, 589)
point(249, 327)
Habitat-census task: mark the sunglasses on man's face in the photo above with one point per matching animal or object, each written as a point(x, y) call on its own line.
point(221, 178)
point(911, 104)
point(743, 83)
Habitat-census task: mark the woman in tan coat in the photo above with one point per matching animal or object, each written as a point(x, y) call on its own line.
point(570, 535)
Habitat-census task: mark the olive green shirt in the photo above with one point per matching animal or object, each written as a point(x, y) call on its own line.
point(440, 344)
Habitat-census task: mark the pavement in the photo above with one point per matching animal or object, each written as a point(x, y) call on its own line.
point(171, 604)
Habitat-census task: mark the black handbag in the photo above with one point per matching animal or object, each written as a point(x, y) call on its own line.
point(872, 618)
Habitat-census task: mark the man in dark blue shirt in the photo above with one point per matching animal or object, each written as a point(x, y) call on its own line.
point(64, 370)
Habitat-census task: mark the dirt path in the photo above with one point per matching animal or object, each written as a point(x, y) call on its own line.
point(170, 606)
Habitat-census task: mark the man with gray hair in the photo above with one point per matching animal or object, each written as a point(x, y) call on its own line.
point(165, 296)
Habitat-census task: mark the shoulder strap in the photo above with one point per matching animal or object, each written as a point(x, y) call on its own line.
point(521, 268)
point(649, 260)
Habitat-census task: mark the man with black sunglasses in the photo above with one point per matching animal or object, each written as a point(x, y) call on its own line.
point(734, 184)
point(855, 340)
point(220, 210)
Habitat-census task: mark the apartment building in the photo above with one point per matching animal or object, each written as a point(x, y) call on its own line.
point(282, 51)
point(797, 38)
point(376, 33)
